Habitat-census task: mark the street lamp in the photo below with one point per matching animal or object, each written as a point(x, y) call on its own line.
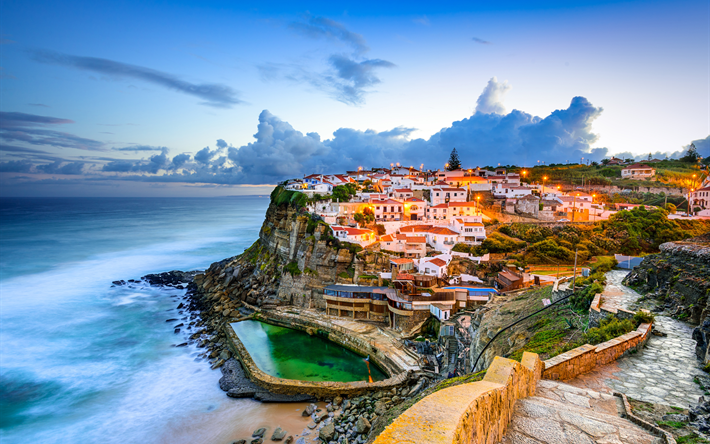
point(544, 178)
point(574, 204)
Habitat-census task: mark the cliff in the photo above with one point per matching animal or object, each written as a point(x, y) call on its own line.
point(678, 279)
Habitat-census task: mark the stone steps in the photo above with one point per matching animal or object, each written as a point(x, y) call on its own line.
point(560, 414)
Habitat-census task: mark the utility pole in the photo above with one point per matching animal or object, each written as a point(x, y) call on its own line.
point(574, 276)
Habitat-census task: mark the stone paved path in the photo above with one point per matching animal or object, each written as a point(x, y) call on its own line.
point(561, 414)
point(662, 372)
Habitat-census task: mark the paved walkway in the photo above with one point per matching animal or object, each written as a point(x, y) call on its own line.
point(562, 414)
point(662, 372)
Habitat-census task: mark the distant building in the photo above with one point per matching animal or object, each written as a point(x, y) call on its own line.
point(638, 171)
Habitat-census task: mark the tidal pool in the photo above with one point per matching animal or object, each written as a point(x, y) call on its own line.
point(292, 354)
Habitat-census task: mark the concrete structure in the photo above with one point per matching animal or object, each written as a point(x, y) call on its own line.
point(415, 209)
point(638, 171)
point(357, 302)
point(475, 413)
point(411, 246)
point(501, 191)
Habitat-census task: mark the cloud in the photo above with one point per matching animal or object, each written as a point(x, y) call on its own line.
point(15, 120)
point(213, 94)
point(19, 149)
point(423, 20)
point(352, 78)
point(348, 78)
point(15, 166)
point(702, 145)
point(140, 148)
point(32, 129)
point(491, 100)
point(321, 27)
point(481, 41)
point(72, 168)
point(279, 151)
point(41, 105)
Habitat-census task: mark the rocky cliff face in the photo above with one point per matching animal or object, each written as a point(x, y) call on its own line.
point(678, 279)
point(294, 258)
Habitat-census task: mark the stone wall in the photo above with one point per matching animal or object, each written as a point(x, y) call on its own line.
point(598, 310)
point(474, 413)
point(584, 359)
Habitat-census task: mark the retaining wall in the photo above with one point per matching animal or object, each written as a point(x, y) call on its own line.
point(587, 357)
point(474, 413)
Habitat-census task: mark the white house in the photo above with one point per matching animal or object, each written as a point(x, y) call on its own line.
point(415, 209)
point(441, 195)
point(440, 311)
point(504, 191)
point(433, 266)
point(638, 171)
point(388, 209)
point(402, 193)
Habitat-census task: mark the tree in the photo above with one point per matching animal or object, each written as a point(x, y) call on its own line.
point(454, 162)
point(670, 208)
point(343, 193)
point(692, 155)
point(649, 156)
point(605, 161)
point(369, 215)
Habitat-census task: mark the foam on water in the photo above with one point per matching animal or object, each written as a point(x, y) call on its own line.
point(81, 361)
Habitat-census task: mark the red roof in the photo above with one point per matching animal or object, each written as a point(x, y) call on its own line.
point(443, 230)
point(438, 262)
point(638, 166)
point(415, 228)
point(403, 190)
point(400, 261)
point(416, 240)
point(404, 277)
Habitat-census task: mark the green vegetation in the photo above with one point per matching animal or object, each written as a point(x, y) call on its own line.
point(293, 269)
point(454, 162)
point(582, 299)
point(609, 328)
point(692, 438)
point(281, 196)
point(343, 193)
point(672, 424)
point(310, 272)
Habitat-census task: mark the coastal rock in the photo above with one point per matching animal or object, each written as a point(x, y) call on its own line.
point(362, 425)
point(278, 434)
point(241, 441)
point(289, 440)
point(174, 277)
point(327, 432)
point(259, 433)
point(310, 408)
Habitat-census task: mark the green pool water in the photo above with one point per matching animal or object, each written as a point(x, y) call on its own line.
point(293, 354)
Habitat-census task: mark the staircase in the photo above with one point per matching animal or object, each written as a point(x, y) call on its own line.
point(563, 414)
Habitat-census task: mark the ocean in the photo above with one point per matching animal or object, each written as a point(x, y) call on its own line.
point(82, 361)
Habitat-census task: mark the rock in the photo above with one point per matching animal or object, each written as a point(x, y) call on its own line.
point(259, 433)
point(310, 408)
point(257, 441)
point(301, 440)
point(241, 441)
point(337, 401)
point(380, 408)
point(278, 434)
point(676, 418)
point(289, 440)
point(327, 432)
point(312, 425)
point(362, 425)
point(319, 416)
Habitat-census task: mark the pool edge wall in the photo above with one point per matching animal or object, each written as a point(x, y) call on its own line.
point(319, 389)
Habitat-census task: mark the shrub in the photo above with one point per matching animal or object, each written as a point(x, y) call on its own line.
point(643, 317)
point(293, 269)
point(583, 298)
point(609, 328)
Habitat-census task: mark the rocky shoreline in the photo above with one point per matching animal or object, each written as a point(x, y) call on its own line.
point(201, 320)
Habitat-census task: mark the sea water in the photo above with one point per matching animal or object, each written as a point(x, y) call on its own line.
point(82, 361)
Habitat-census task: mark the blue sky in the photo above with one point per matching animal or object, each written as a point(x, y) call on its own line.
point(119, 98)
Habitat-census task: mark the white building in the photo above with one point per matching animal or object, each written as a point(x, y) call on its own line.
point(638, 171)
point(505, 191)
point(440, 195)
point(433, 266)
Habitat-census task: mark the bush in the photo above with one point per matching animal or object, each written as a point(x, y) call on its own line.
point(583, 298)
point(293, 269)
point(609, 328)
point(643, 317)
point(500, 243)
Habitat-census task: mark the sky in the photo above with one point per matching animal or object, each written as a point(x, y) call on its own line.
point(214, 98)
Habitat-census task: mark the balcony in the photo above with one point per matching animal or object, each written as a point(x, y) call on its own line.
point(449, 243)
